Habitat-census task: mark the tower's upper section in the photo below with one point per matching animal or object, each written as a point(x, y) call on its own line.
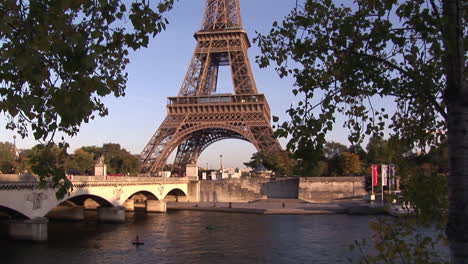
point(222, 41)
point(222, 14)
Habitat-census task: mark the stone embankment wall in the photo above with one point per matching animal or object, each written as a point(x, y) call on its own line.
point(244, 190)
point(315, 189)
point(318, 189)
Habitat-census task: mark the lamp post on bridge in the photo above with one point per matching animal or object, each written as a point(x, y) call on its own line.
point(17, 157)
point(221, 161)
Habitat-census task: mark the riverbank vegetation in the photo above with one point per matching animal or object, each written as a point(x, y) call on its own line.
point(81, 162)
point(336, 159)
point(394, 68)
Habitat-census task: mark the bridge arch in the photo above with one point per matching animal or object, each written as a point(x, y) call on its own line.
point(12, 213)
point(148, 195)
point(79, 199)
point(176, 195)
point(207, 134)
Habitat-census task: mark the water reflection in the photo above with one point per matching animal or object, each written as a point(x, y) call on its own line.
point(197, 237)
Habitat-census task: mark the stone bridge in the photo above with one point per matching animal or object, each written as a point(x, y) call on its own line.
point(22, 195)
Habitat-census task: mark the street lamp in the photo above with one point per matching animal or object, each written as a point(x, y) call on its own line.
point(14, 146)
point(17, 156)
point(221, 160)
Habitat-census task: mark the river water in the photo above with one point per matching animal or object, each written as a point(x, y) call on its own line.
point(196, 237)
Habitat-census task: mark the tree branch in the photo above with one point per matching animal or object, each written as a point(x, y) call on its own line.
point(431, 99)
point(384, 61)
point(434, 6)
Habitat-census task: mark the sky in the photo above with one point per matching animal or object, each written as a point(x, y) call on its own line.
point(157, 72)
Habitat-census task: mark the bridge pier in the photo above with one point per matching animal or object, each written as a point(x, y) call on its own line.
point(129, 205)
point(111, 214)
point(30, 229)
point(75, 213)
point(155, 206)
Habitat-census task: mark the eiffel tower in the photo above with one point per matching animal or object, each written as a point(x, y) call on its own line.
point(198, 117)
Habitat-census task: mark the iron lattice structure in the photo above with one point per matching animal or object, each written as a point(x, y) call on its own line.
point(198, 117)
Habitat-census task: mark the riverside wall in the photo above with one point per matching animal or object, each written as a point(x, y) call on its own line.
point(244, 190)
point(315, 189)
point(319, 189)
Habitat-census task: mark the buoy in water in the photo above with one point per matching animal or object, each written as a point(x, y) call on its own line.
point(137, 241)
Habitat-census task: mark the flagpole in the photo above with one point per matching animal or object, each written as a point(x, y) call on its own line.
point(375, 180)
point(382, 181)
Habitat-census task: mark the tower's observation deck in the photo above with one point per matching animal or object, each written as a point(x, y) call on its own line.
point(222, 103)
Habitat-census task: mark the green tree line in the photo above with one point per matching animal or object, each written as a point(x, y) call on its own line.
point(80, 162)
point(336, 159)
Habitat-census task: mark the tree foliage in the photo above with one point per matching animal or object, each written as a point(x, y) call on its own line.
point(81, 162)
point(411, 53)
point(119, 160)
point(351, 163)
point(382, 151)
point(58, 58)
point(280, 162)
point(7, 157)
point(343, 58)
point(418, 239)
point(333, 149)
point(47, 162)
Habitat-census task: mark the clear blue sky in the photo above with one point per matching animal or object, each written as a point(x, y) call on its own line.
point(158, 71)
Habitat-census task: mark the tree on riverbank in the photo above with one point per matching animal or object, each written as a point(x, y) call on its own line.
point(80, 162)
point(280, 162)
point(7, 157)
point(59, 58)
point(345, 58)
point(118, 160)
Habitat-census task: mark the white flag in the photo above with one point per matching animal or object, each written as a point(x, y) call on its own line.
point(384, 174)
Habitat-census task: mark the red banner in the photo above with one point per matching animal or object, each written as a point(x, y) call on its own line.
point(375, 175)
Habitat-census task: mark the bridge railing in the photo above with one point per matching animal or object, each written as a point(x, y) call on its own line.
point(11, 178)
point(18, 178)
point(126, 179)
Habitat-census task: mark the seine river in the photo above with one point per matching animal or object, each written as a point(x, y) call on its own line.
point(196, 237)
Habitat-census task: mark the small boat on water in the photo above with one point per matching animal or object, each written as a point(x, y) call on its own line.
point(400, 210)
